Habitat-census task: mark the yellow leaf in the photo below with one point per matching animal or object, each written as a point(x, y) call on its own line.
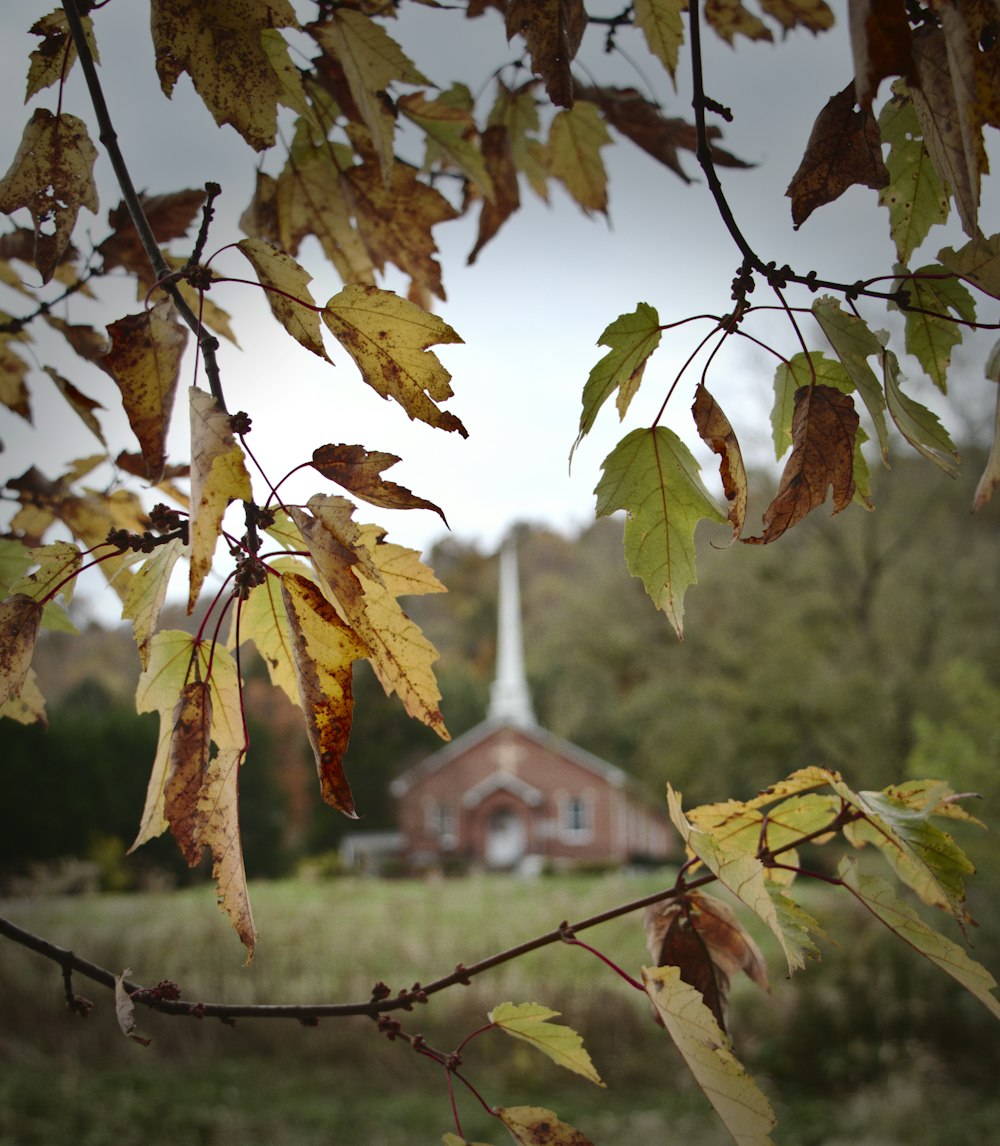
point(730, 19)
point(20, 618)
point(324, 649)
point(452, 129)
point(536, 1126)
point(530, 1022)
point(661, 24)
point(286, 285)
point(51, 61)
point(28, 707)
point(737, 1099)
point(263, 621)
point(574, 155)
point(58, 565)
point(371, 60)
point(52, 176)
point(147, 592)
point(218, 476)
point(145, 362)
point(388, 337)
point(196, 36)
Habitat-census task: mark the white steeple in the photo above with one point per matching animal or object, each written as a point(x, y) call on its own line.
point(510, 700)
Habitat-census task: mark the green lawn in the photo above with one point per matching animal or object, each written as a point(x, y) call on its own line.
point(833, 1079)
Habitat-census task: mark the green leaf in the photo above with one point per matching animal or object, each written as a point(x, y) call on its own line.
point(854, 343)
point(388, 337)
point(900, 918)
point(738, 869)
point(574, 155)
point(737, 1099)
point(633, 338)
point(978, 262)
point(915, 196)
point(918, 425)
point(652, 475)
point(451, 131)
point(530, 1022)
point(931, 330)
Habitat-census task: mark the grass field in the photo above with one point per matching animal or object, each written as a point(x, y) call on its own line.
point(201, 1083)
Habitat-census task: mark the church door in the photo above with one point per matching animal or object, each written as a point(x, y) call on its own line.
point(506, 839)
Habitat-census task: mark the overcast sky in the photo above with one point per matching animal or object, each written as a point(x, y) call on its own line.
point(530, 311)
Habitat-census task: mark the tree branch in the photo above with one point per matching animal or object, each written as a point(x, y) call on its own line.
point(109, 138)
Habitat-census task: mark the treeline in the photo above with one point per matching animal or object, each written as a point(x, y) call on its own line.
point(858, 643)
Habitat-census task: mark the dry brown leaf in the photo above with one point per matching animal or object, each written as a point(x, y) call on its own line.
point(20, 617)
point(843, 149)
point(190, 743)
point(717, 433)
point(730, 19)
point(880, 44)
point(824, 430)
point(360, 471)
point(498, 155)
point(169, 216)
point(145, 362)
point(125, 1010)
point(552, 29)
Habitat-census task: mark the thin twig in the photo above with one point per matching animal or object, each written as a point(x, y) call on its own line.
point(109, 138)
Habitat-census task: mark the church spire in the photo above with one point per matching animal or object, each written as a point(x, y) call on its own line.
point(510, 700)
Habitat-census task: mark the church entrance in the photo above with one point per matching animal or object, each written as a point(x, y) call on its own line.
point(506, 839)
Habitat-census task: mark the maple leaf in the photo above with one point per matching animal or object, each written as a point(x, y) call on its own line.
point(530, 1022)
point(653, 477)
point(360, 471)
point(536, 1126)
point(50, 62)
point(707, 1051)
point(517, 111)
point(915, 196)
point(28, 706)
point(919, 426)
point(844, 148)
point(58, 564)
point(880, 44)
point(389, 339)
point(85, 340)
point(169, 216)
point(815, 15)
point(573, 152)
point(218, 476)
point(878, 897)
point(145, 362)
point(717, 433)
point(448, 123)
point(52, 176)
point(190, 746)
point(193, 36)
point(13, 387)
point(394, 215)
point(552, 30)
point(663, 29)
point(729, 19)
point(323, 650)
point(371, 60)
point(824, 428)
point(79, 403)
point(263, 621)
point(701, 936)
point(978, 262)
point(643, 123)
point(147, 593)
point(943, 93)
point(125, 1010)
point(498, 156)
point(632, 338)
point(937, 303)
point(287, 288)
point(20, 618)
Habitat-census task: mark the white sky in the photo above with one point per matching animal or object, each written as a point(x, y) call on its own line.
point(530, 311)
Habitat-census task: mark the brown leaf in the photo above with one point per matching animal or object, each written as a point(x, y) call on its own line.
point(13, 387)
point(717, 433)
point(145, 362)
point(190, 743)
point(395, 220)
point(324, 651)
point(701, 936)
point(79, 401)
point(815, 15)
point(20, 617)
point(730, 19)
point(843, 149)
point(642, 122)
point(552, 29)
point(536, 1126)
point(824, 429)
point(169, 216)
point(359, 471)
point(85, 340)
point(880, 43)
point(125, 1010)
point(498, 156)
point(52, 176)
